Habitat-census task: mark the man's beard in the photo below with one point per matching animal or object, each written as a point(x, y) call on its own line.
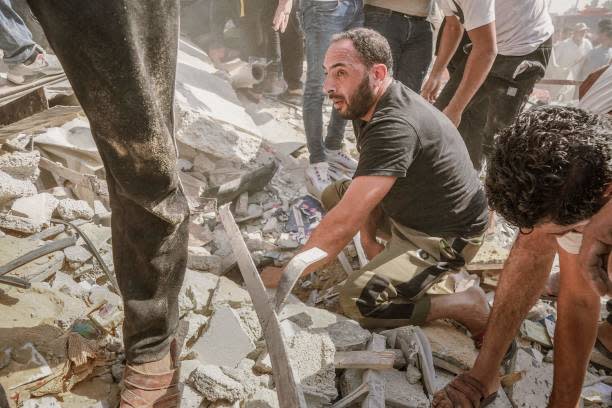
point(360, 102)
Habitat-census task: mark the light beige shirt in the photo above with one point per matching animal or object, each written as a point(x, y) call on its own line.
point(419, 8)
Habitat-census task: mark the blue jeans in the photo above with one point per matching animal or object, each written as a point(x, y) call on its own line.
point(411, 41)
point(321, 20)
point(15, 38)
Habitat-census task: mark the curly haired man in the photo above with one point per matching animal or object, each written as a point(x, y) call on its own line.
point(550, 175)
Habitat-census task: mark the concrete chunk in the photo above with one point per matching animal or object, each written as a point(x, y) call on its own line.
point(200, 258)
point(230, 293)
point(70, 210)
point(76, 255)
point(20, 224)
point(38, 207)
point(263, 398)
point(214, 385)
point(12, 188)
point(535, 387)
point(225, 342)
point(197, 291)
point(21, 165)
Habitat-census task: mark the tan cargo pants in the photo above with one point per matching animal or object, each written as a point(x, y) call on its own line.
point(391, 290)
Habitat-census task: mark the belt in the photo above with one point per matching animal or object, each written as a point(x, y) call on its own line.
point(397, 13)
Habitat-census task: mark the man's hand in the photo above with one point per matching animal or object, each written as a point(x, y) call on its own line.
point(217, 55)
point(271, 276)
point(281, 15)
point(596, 246)
point(453, 114)
point(431, 88)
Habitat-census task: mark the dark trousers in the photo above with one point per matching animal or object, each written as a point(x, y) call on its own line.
point(120, 57)
point(284, 51)
point(411, 42)
point(499, 100)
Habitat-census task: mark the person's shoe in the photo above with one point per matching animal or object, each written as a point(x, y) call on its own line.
point(317, 178)
point(337, 158)
point(42, 65)
point(292, 96)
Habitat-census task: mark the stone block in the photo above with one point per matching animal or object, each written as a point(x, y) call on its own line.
point(225, 341)
point(21, 165)
point(199, 258)
point(70, 210)
point(214, 385)
point(12, 188)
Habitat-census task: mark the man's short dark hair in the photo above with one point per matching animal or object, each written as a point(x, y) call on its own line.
point(553, 164)
point(371, 46)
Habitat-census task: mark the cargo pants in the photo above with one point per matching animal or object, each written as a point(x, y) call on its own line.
point(120, 58)
point(391, 290)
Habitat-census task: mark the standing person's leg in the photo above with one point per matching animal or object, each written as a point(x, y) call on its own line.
point(416, 54)
point(322, 19)
point(122, 69)
point(15, 39)
point(292, 52)
point(391, 26)
point(352, 18)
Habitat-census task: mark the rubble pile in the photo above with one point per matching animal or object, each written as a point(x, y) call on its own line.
point(61, 337)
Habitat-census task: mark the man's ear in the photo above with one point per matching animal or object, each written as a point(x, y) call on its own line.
point(379, 71)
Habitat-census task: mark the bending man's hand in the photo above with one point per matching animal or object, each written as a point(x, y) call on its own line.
point(595, 260)
point(281, 15)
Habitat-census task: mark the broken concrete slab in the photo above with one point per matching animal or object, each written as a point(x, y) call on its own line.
point(190, 398)
point(20, 224)
point(201, 259)
point(214, 385)
point(224, 329)
point(347, 335)
point(534, 389)
point(451, 344)
point(312, 358)
point(21, 165)
point(39, 207)
point(207, 104)
point(195, 325)
point(197, 290)
point(12, 188)
point(44, 402)
point(230, 293)
point(70, 210)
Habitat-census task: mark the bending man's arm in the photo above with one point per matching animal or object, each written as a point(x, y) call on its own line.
point(341, 224)
point(596, 246)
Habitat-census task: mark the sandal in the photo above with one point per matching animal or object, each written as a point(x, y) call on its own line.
point(136, 384)
point(464, 388)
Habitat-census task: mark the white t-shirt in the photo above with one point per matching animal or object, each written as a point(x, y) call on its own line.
point(521, 26)
point(570, 242)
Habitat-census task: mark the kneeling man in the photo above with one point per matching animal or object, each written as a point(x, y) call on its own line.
point(414, 185)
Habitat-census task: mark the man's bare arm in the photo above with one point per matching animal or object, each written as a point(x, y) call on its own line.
point(341, 224)
point(477, 67)
point(578, 312)
point(596, 245)
point(449, 41)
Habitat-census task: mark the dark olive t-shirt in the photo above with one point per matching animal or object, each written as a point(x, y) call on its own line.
point(437, 190)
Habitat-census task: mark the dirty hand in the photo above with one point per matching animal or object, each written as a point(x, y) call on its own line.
point(281, 15)
point(453, 114)
point(271, 276)
point(431, 88)
point(594, 258)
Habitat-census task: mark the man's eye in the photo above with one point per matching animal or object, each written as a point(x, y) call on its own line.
point(340, 74)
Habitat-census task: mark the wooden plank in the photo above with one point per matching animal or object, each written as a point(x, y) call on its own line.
point(287, 388)
point(27, 105)
point(9, 92)
point(373, 360)
point(375, 381)
point(355, 396)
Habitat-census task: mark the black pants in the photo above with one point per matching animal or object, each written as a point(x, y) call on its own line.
point(120, 57)
point(284, 51)
point(498, 101)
